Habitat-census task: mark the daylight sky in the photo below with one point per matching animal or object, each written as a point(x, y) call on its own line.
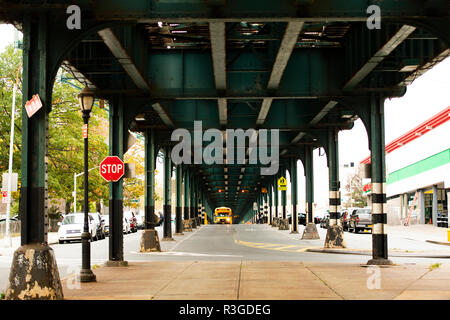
point(425, 97)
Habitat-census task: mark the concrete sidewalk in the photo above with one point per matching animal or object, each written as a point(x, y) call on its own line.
point(247, 280)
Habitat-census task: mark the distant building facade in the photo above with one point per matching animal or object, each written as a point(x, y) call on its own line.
point(418, 173)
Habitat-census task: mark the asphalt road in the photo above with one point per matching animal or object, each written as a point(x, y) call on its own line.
point(225, 243)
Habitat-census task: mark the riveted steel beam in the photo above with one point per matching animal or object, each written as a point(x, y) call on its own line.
point(379, 56)
point(288, 43)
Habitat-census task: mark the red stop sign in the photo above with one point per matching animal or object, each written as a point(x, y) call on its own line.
point(112, 168)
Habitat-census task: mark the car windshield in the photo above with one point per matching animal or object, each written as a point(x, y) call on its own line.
point(73, 219)
point(223, 214)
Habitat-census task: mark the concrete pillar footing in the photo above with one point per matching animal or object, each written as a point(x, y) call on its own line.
point(284, 224)
point(86, 276)
point(116, 263)
point(178, 234)
point(379, 262)
point(335, 237)
point(310, 232)
point(34, 274)
point(150, 241)
point(168, 239)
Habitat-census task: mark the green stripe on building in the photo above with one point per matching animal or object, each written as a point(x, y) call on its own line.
point(429, 163)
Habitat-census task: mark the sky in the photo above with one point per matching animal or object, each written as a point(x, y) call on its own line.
point(425, 97)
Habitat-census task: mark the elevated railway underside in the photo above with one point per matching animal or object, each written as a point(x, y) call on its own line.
point(291, 73)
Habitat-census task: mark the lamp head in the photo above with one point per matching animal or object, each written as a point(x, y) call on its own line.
point(86, 99)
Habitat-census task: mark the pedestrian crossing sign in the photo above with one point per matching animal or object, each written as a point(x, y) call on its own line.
point(282, 183)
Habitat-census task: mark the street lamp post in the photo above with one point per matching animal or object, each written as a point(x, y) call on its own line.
point(75, 176)
point(86, 100)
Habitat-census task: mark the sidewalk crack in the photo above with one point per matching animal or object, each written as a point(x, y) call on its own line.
point(239, 281)
point(170, 281)
point(326, 284)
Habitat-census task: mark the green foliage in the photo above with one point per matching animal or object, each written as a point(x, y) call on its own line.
point(354, 187)
point(65, 145)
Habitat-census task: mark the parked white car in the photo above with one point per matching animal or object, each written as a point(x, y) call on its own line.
point(71, 227)
point(100, 224)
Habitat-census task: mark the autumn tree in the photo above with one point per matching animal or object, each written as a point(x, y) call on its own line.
point(354, 188)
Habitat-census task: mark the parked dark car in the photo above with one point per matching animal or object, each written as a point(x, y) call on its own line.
point(442, 219)
point(302, 218)
point(344, 216)
point(325, 221)
point(360, 220)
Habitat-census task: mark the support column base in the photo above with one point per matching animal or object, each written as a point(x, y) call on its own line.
point(86, 275)
point(34, 274)
point(167, 239)
point(178, 234)
point(294, 232)
point(310, 232)
point(187, 226)
point(150, 241)
point(284, 224)
point(116, 263)
point(379, 262)
point(335, 237)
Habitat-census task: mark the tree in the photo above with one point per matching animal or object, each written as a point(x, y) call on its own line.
point(134, 188)
point(354, 188)
point(65, 144)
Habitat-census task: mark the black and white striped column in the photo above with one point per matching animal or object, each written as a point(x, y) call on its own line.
point(334, 207)
point(200, 213)
point(379, 219)
point(266, 211)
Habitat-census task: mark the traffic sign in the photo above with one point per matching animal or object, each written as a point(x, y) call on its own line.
point(282, 184)
point(112, 169)
point(33, 105)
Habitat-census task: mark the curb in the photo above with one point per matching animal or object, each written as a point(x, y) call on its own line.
point(439, 242)
point(369, 253)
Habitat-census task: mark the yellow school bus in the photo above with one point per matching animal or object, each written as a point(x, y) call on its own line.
point(223, 215)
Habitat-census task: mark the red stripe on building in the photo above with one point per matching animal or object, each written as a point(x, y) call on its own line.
point(415, 133)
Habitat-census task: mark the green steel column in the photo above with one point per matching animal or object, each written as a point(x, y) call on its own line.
point(192, 199)
point(34, 133)
point(266, 211)
point(310, 231)
point(270, 204)
point(379, 217)
point(334, 184)
point(186, 193)
point(116, 143)
point(276, 195)
point(150, 218)
point(294, 194)
point(283, 197)
point(179, 207)
point(34, 267)
point(167, 207)
point(309, 182)
point(335, 232)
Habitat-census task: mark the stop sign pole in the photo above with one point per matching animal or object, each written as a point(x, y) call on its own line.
point(112, 169)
